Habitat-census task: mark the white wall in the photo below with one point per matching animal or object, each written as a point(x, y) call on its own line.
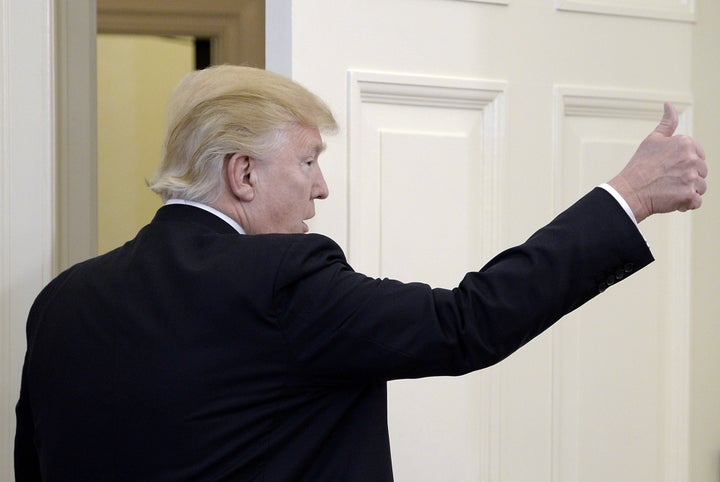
point(705, 339)
point(26, 187)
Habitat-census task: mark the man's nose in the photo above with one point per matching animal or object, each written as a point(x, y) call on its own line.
point(321, 187)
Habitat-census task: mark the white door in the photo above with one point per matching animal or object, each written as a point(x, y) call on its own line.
point(466, 125)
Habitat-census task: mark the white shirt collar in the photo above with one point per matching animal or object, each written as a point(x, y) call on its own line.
point(209, 209)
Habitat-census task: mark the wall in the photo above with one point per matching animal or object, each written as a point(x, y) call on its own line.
point(705, 338)
point(136, 74)
point(27, 155)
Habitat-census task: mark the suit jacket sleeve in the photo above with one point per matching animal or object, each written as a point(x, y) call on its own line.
point(342, 326)
point(26, 463)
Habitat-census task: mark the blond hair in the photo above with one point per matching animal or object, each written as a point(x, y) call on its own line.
point(223, 110)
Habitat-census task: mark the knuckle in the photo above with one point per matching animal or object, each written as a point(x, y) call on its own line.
point(686, 196)
point(694, 203)
point(690, 176)
point(685, 146)
point(685, 141)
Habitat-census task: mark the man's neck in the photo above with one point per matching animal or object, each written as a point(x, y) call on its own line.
point(212, 210)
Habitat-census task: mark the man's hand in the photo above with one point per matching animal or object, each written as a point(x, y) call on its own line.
point(667, 172)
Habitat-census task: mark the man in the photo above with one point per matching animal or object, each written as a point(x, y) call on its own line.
point(223, 344)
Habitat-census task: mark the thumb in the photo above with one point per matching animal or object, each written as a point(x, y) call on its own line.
point(669, 121)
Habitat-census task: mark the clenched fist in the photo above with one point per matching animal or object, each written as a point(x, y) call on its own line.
point(667, 173)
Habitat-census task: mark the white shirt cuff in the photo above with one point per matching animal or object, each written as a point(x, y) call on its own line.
point(620, 200)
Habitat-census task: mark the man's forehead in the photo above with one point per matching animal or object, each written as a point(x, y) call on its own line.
point(309, 139)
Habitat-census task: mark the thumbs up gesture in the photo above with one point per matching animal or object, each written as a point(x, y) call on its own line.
point(666, 173)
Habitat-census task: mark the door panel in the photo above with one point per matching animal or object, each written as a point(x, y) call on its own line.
point(450, 134)
point(620, 363)
point(466, 125)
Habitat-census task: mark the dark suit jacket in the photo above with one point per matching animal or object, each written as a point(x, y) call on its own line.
point(195, 353)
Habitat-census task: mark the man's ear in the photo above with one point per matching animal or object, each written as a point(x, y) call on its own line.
point(238, 172)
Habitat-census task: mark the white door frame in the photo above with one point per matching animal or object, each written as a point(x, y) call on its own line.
point(27, 187)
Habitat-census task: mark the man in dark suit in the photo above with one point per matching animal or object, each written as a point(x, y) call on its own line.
point(222, 343)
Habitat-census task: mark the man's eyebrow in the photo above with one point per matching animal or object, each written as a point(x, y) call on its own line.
point(319, 148)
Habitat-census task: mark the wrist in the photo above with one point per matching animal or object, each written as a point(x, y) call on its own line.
point(631, 197)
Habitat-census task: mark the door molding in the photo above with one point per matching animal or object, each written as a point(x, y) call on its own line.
point(76, 146)
point(236, 29)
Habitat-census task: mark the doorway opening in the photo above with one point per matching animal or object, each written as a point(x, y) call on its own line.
point(143, 50)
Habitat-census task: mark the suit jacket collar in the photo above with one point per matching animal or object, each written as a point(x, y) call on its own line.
point(184, 213)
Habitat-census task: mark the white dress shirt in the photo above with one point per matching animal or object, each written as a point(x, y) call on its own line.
point(209, 209)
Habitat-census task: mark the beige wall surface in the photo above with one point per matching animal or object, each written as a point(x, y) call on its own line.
point(705, 334)
point(136, 75)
